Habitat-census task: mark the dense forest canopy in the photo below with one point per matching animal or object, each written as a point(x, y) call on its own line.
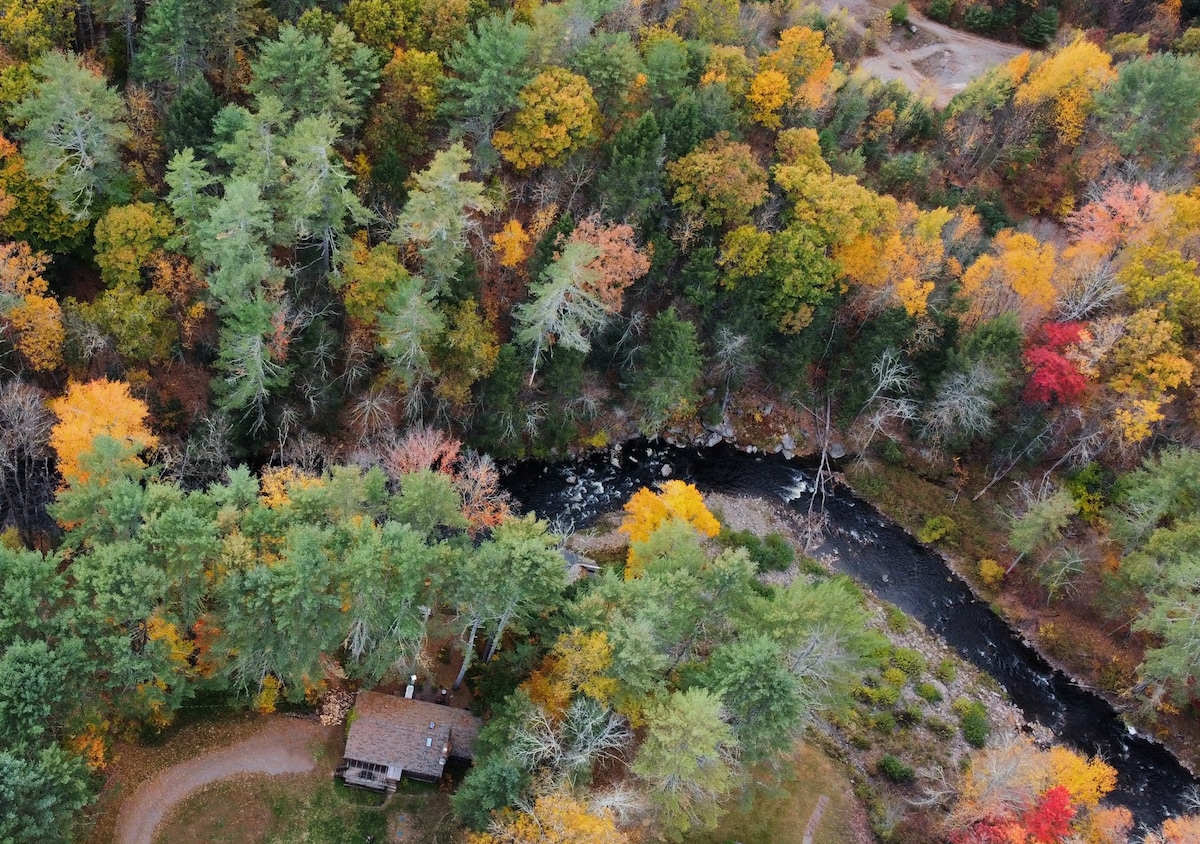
point(361, 246)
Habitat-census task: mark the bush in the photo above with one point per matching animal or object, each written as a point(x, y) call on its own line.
point(946, 671)
point(940, 726)
point(776, 554)
point(980, 19)
point(937, 528)
point(895, 677)
point(895, 770)
point(770, 554)
point(941, 10)
point(897, 621)
point(929, 692)
point(898, 14)
point(973, 721)
point(909, 661)
point(884, 722)
point(991, 573)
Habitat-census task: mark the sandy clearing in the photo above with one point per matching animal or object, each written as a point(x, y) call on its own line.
point(282, 747)
point(936, 61)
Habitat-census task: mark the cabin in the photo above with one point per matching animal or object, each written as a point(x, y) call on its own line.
point(392, 737)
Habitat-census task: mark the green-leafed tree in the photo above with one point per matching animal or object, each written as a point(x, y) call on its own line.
point(437, 215)
point(489, 68)
point(663, 381)
point(1151, 110)
point(72, 130)
point(688, 761)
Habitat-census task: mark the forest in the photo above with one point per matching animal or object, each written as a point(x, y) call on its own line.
point(282, 280)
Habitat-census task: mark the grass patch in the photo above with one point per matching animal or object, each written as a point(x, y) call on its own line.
point(769, 815)
point(305, 809)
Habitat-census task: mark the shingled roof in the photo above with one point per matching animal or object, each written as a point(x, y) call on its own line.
point(409, 737)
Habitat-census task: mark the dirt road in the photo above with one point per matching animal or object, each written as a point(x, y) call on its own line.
point(935, 61)
point(282, 747)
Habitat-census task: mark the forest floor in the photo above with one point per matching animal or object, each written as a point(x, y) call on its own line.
point(936, 61)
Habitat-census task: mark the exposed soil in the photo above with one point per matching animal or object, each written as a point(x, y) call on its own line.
point(284, 746)
point(935, 61)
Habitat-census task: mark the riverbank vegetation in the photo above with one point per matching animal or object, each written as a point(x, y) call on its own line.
point(365, 248)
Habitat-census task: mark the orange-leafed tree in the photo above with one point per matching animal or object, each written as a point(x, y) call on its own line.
point(38, 333)
point(512, 244)
point(554, 819)
point(92, 409)
point(1015, 791)
point(807, 62)
point(619, 263)
point(769, 92)
point(33, 320)
point(719, 181)
point(646, 511)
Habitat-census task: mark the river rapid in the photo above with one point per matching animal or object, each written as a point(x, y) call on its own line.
point(887, 560)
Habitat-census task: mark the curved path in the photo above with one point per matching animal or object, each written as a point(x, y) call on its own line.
point(282, 747)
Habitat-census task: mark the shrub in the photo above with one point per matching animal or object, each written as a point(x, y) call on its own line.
point(770, 554)
point(776, 554)
point(973, 721)
point(895, 677)
point(909, 661)
point(937, 528)
point(946, 671)
point(895, 770)
point(897, 621)
point(898, 14)
point(939, 726)
point(941, 10)
point(884, 722)
point(929, 692)
point(991, 573)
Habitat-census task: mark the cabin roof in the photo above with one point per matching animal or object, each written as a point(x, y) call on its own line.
point(409, 735)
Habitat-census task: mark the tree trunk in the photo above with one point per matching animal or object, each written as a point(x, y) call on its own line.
point(500, 627)
point(468, 654)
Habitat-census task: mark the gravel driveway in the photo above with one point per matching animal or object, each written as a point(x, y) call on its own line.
point(282, 747)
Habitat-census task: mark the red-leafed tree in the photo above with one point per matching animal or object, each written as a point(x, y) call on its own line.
point(1050, 818)
point(1053, 377)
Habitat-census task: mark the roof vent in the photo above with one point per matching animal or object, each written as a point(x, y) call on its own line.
point(431, 725)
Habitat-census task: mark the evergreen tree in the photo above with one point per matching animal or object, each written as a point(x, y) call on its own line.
point(73, 128)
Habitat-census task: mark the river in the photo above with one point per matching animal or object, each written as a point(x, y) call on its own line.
point(884, 558)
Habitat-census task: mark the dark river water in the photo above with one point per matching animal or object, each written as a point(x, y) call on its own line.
point(894, 566)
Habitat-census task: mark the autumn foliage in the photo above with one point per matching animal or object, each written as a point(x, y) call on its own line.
point(646, 511)
point(92, 409)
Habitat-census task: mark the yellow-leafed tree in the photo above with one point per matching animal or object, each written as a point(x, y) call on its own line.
point(93, 409)
point(646, 511)
point(558, 115)
point(554, 819)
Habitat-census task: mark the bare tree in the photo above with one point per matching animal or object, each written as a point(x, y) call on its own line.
point(26, 468)
point(963, 407)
